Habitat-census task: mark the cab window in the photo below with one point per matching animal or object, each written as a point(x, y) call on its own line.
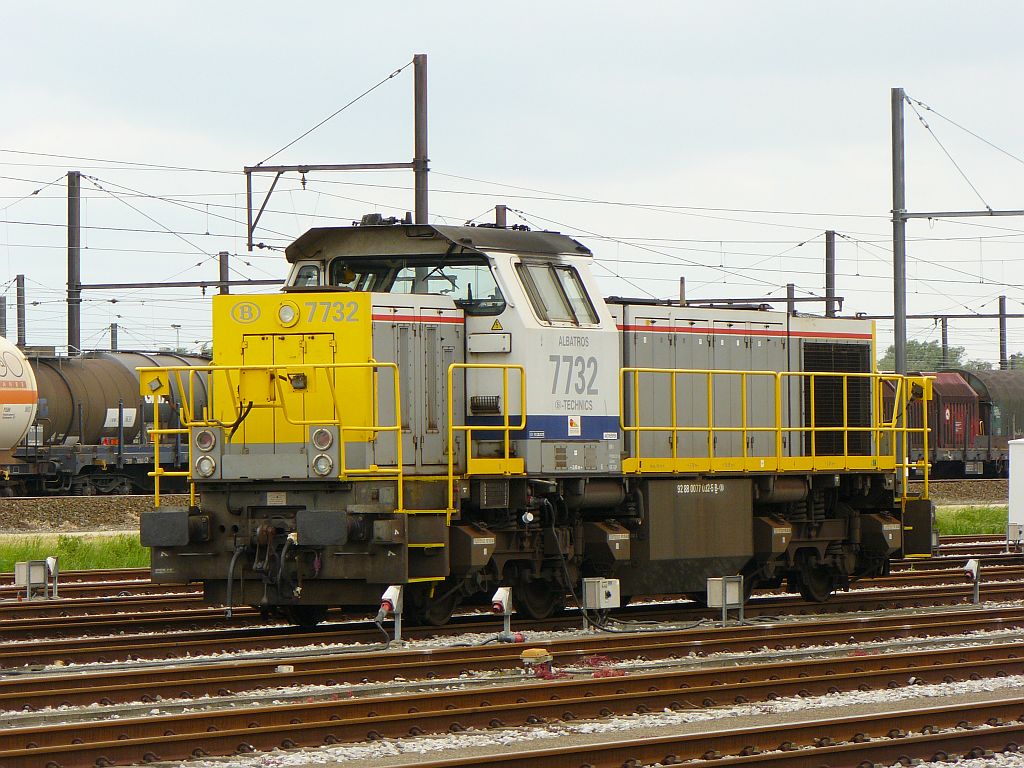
point(357, 278)
point(466, 281)
point(308, 275)
point(570, 282)
point(557, 293)
point(471, 286)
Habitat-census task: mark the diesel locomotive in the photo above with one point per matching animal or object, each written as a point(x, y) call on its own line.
point(455, 409)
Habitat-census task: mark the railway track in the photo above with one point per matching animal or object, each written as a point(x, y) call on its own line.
point(592, 692)
point(901, 736)
point(150, 599)
point(340, 719)
point(194, 679)
point(103, 575)
point(102, 620)
point(99, 630)
point(130, 595)
point(91, 575)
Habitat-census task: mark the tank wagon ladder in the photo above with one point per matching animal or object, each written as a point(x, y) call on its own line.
point(157, 389)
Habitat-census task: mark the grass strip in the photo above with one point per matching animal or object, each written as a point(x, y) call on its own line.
point(118, 550)
point(968, 520)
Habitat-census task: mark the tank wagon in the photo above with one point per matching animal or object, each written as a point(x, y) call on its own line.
point(19, 398)
point(454, 409)
point(87, 431)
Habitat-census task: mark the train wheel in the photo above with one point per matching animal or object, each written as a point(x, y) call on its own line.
point(537, 599)
point(815, 583)
point(305, 615)
point(438, 610)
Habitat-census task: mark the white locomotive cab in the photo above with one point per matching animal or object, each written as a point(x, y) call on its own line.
point(557, 328)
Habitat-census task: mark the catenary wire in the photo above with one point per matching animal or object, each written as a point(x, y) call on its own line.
point(337, 112)
point(949, 156)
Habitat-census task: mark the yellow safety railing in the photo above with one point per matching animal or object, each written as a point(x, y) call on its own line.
point(507, 464)
point(159, 472)
point(156, 382)
point(886, 431)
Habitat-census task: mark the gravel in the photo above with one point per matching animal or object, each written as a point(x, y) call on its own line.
point(70, 514)
point(967, 492)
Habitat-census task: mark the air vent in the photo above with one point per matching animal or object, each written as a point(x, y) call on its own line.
point(485, 405)
point(828, 397)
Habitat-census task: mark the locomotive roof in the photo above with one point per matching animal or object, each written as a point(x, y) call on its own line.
point(426, 240)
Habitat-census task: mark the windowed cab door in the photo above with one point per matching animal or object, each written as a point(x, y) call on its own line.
point(555, 334)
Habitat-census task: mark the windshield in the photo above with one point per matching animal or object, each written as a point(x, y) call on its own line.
point(467, 281)
point(557, 293)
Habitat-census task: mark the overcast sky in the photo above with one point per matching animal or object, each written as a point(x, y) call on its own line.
point(621, 124)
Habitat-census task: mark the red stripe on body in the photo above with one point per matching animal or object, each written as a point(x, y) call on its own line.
point(744, 332)
point(418, 319)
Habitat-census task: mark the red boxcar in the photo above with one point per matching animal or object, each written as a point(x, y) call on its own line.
point(953, 418)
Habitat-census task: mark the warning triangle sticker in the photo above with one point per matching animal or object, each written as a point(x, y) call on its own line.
point(496, 326)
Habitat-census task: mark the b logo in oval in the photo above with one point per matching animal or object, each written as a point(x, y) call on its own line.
point(245, 312)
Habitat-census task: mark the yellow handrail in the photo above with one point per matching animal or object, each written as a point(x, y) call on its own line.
point(159, 471)
point(156, 381)
point(507, 465)
point(879, 424)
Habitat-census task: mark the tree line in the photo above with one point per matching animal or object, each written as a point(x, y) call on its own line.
point(927, 356)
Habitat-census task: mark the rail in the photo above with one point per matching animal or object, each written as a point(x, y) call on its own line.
point(885, 432)
point(507, 464)
point(265, 386)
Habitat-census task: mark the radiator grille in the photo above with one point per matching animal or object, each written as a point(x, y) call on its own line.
point(828, 397)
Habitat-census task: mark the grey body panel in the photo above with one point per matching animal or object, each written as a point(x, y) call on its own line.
point(683, 338)
point(424, 351)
